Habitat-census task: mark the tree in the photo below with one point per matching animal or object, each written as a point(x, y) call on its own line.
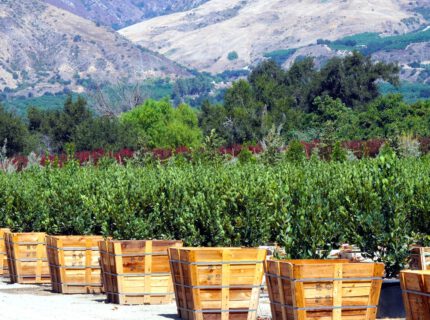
point(353, 79)
point(212, 117)
point(57, 127)
point(301, 79)
point(243, 122)
point(116, 99)
point(389, 116)
point(159, 125)
point(103, 133)
point(268, 83)
point(334, 120)
point(13, 132)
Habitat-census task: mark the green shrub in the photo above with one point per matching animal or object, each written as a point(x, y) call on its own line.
point(245, 156)
point(381, 205)
point(232, 56)
point(159, 124)
point(295, 152)
point(339, 153)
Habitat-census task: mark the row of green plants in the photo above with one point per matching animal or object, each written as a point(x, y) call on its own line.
point(307, 206)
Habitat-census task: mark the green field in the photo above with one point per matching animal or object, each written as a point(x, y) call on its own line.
point(280, 56)
point(47, 102)
point(411, 92)
point(369, 43)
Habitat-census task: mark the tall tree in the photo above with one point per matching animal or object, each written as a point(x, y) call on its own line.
point(243, 113)
point(13, 132)
point(354, 79)
point(159, 124)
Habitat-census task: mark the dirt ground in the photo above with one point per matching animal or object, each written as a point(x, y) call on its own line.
point(19, 302)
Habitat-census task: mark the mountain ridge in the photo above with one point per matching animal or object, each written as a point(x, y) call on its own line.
point(237, 34)
point(60, 51)
point(122, 13)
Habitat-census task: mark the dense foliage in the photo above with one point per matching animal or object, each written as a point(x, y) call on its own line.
point(159, 124)
point(307, 206)
point(370, 42)
point(341, 101)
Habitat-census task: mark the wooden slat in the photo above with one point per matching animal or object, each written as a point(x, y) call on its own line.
point(4, 269)
point(196, 301)
point(375, 291)
point(148, 270)
point(225, 282)
point(298, 291)
point(337, 291)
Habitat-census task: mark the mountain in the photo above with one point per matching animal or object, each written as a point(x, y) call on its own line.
point(121, 13)
point(48, 50)
point(226, 35)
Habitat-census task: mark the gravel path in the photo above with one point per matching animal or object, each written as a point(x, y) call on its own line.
point(18, 302)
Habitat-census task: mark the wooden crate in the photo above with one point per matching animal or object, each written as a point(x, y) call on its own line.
point(416, 294)
point(27, 258)
point(74, 264)
point(323, 289)
point(4, 270)
point(137, 271)
point(217, 283)
point(420, 258)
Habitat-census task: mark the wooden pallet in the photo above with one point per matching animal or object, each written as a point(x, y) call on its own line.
point(217, 283)
point(4, 270)
point(27, 258)
point(416, 294)
point(420, 258)
point(137, 271)
point(323, 289)
point(74, 264)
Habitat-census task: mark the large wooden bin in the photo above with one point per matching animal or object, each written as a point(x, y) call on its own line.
point(74, 264)
point(323, 289)
point(4, 270)
point(27, 258)
point(420, 258)
point(416, 294)
point(137, 271)
point(217, 283)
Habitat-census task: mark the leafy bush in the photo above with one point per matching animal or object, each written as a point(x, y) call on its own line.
point(159, 124)
point(295, 152)
point(338, 153)
point(232, 56)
